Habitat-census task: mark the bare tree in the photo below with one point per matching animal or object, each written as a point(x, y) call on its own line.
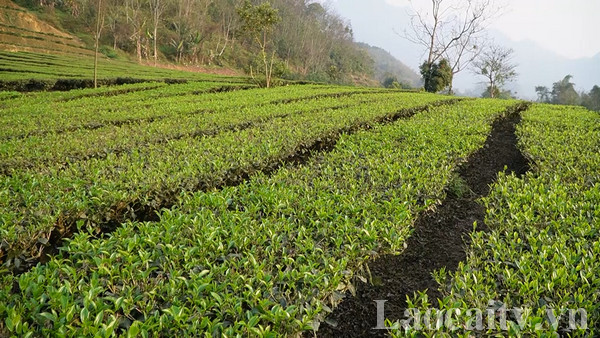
point(135, 18)
point(115, 20)
point(452, 30)
point(496, 65)
point(157, 7)
point(226, 32)
point(99, 26)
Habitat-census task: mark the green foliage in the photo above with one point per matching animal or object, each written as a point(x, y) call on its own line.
point(30, 4)
point(310, 40)
point(258, 19)
point(436, 76)
point(543, 93)
point(258, 22)
point(392, 82)
point(146, 157)
point(26, 71)
point(108, 52)
point(592, 100)
point(563, 92)
point(541, 253)
point(498, 93)
point(458, 187)
point(496, 66)
point(386, 66)
point(265, 258)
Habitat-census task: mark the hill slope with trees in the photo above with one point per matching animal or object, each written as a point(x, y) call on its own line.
point(307, 43)
point(387, 67)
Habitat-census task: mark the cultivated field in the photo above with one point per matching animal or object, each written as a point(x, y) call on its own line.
point(27, 71)
point(215, 208)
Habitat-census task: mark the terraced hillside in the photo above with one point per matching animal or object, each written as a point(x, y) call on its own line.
point(21, 30)
point(26, 71)
point(35, 56)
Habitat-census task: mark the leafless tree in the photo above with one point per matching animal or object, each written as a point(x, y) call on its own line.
point(496, 65)
point(226, 35)
point(453, 30)
point(100, 14)
point(135, 18)
point(157, 7)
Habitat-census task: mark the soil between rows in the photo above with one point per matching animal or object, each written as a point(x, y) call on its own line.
point(438, 241)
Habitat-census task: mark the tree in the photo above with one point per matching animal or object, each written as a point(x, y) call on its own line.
point(157, 7)
point(498, 93)
point(495, 64)
point(135, 18)
point(100, 13)
point(452, 31)
point(437, 76)
point(224, 13)
point(563, 92)
point(543, 94)
point(312, 43)
point(391, 81)
point(592, 100)
point(259, 21)
point(114, 16)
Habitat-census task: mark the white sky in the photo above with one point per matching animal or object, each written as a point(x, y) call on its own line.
point(570, 28)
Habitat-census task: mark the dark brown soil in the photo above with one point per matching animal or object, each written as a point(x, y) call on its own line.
point(438, 240)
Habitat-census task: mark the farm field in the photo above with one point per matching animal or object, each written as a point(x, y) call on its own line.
point(212, 207)
point(541, 254)
point(248, 168)
point(34, 71)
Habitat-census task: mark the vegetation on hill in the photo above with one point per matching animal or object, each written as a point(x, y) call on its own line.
point(563, 92)
point(311, 43)
point(388, 69)
point(26, 71)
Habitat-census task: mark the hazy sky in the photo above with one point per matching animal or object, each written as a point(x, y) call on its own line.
point(567, 27)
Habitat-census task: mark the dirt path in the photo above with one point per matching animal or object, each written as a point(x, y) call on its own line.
point(438, 240)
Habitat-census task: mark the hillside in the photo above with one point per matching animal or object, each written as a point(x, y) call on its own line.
point(310, 43)
point(21, 30)
point(386, 65)
point(35, 55)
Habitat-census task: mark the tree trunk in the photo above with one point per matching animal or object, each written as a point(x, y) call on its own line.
point(96, 65)
point(97, 42)
point(155, 45)
point(138, 47)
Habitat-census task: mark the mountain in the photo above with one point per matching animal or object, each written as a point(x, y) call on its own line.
point(387, 65)
point(538, 66)
point(541, 67)
point(379, 23)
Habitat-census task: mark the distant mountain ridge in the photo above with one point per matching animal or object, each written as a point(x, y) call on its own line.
point(386, 64)
point(541, 67)
point(538, 66)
